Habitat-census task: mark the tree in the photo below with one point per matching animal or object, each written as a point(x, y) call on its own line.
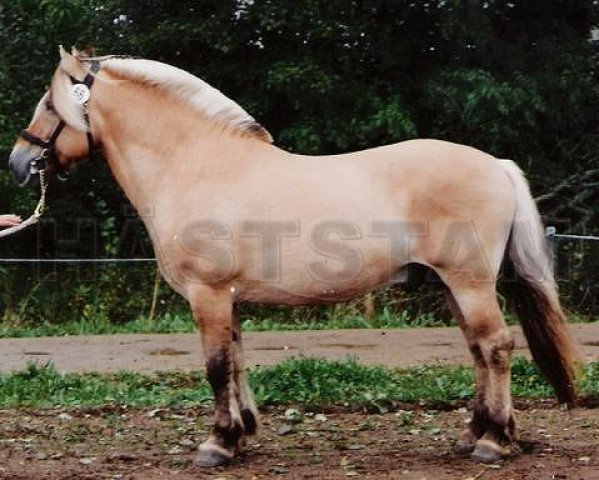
point(515, 78)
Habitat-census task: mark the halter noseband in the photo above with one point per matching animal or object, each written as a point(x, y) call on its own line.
point(48, 153)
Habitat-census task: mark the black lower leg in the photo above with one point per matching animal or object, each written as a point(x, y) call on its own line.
point(219, 370)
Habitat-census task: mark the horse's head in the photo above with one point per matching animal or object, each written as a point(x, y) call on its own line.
point(59, 135)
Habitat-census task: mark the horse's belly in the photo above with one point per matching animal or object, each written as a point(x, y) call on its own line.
point(304, 288)
point(319, 269)
point(273, 261)
point(294, 294)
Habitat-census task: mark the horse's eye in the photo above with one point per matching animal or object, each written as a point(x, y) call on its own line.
point(50, 106)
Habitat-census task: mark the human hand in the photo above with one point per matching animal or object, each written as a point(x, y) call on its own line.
point(9, 220)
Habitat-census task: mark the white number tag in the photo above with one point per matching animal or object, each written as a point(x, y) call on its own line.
point(80, 93)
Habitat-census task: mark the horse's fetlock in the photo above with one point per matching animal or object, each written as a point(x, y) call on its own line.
point(228, 433)
point(500, 416)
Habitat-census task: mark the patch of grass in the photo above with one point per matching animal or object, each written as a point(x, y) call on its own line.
point(320, 382)
point(308, 381)
point(383, 319)
point(164, 324)
point(43, 386)
point(184, 323)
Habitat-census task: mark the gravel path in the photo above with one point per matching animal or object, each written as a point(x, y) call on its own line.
point(147, 353)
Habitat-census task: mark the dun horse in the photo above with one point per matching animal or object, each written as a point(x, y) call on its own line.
point(235, 219)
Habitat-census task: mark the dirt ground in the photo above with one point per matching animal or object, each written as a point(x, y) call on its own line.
point(116, 443)
point(146, 353)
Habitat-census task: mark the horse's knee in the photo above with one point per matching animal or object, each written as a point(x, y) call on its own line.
point(497, 351)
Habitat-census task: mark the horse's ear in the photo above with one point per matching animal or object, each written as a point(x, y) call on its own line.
point(71, 112)
point(62, 52)
point(70, 64)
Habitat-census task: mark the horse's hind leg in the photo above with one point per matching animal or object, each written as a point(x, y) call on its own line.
point(491, 343)
point(470, 435)
point(213, 311)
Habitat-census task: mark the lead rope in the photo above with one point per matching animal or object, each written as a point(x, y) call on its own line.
point(41, 205)
point(37, 213)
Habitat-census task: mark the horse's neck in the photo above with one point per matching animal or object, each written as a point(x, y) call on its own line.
point(150, 141)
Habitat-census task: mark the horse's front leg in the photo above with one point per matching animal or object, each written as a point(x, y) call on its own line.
point(249, 412)
point(213, 311)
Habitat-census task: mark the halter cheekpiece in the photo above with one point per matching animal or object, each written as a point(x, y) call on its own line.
point(80, 93)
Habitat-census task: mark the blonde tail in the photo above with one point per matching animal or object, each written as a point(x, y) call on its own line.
point(535, 294)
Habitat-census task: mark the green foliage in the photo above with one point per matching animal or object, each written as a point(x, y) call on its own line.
point(167, 323)
point(482, 110)
point(45, 387)
point(332, 320)
point(310, 381)
point(93, 297)
point(316, 382)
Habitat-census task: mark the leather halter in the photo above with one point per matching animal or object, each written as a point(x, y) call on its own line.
point(48, 153)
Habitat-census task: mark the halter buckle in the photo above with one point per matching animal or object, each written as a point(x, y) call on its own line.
point(38, 164)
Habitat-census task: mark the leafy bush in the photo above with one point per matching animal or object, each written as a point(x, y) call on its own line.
point(518, 79)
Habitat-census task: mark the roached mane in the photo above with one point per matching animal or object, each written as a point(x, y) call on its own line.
point(190, 89)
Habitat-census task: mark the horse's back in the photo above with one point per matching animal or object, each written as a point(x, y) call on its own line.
point(422, 179)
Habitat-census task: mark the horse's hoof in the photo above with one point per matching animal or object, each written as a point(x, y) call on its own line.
point(466, 443)
point(487, 451)
point(212, 458)
point(463, 447)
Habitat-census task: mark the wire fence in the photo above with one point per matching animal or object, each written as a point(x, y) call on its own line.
point(74, 261)
point(121, 289)
point(550, 233)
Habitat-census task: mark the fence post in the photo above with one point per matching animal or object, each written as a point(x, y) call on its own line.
point(550, 233)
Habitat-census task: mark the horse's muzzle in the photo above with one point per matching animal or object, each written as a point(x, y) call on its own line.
point(24, 168)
